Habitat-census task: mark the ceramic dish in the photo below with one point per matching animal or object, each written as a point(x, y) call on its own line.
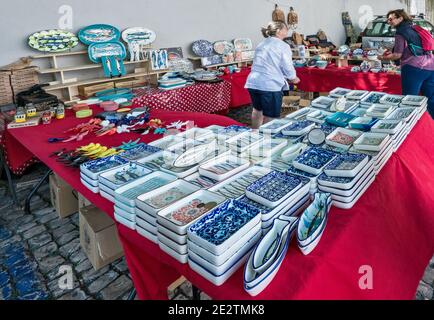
point(346, 165)
point(123, 175)
point(217, 271)
point(182, 214)
point(146, 225)
point(154, 201)
point(380, 111)
point(349, 204)
point(324, 103)
point(223, 226)
point(125, 207)
point(90, 187)
point(146, 234)
point(299, 115)
point(314, 160)
point(265, 149)
point(179, 249)
point(298, 128)
point(107, 196)
point(179, 239)
point(384, 162)
point(218, 260)
point(243, 44)
point(372, 98)
point(124, 214)
point(340, 119)
point(128, 193)
point(235, 186)
point(403, 114)
point(129, 224)
point(175, 255)
point(202, 48)
point(339, 92)
point(151, 220)
point(223, 167)
point(392, 99)
point(344, 183)
point(275, 126)
point(166, 142)
point(359, 112)
point(201, 181)
point(94, 168)
point(371, 141)
point(89, 181)
point(140, 152)
point(387, 126)
point(53, 40)
point(318, 116)
point(343, 138)
point(415, 101)
point(223, 47)
point(363, 123)
point(272, 189)
point(244, 141)
point(357, 95)
point(103, 187)
point(98, 33)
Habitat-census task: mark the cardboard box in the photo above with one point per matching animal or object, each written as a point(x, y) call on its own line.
point(83, 202)
point(98, 237)
point(63, 197)
point(304, 103)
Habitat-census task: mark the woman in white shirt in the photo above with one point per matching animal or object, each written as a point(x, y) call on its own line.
point(272, 69)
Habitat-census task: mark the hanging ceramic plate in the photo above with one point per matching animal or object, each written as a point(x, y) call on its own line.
point(53, 40)
point(202, 48)
point(139, 35)
point(99, 33)
point(223, 47)
point(243, 44)
point(109, 49)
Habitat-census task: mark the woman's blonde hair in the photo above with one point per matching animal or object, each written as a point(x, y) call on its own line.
point(273, 28)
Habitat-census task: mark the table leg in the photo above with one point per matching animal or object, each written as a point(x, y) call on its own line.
point(9, 177)
point(196, 293)
point(34, 190)
point(132, 295)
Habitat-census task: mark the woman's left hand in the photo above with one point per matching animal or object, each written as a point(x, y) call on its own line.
point(296, 80)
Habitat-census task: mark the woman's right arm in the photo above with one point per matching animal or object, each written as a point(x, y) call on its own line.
point(397, 51)
point(288, 67)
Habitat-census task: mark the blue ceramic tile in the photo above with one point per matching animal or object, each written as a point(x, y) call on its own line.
point(275, 185)
point(4, 278)
point(374, 98)
point(224, 221)
point(140, 152)
point(347, 161)
point(316, 157)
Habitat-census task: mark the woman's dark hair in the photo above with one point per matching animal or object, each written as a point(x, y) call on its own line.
point(400, 13)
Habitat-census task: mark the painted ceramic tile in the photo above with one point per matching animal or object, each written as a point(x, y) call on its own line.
point(346, 162)
point(167, 198)
point(190, 212)
point(202, 48)
point(145, 187)
point(315, 157)
point(104, 164)
point(274, 186)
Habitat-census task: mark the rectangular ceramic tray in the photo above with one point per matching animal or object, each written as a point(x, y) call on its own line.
point(357, 95)
point(275, 126)
point(359, 112)
point(344, 183)
point(318, 116)
point(364, 142)
point(387, 126)
point(89, 181)
point(346, 137)
point(229, 132)
point(146, 234)
point(94, 168)
point(140, 152)
point(146, 226)
point(90, 187)
point(165, 218)
point(323, 103)
point(299, 128)
point(274, 188)
point(347, 165)
point(235, 186)
point(384, 162)
point(372, 98)
point(154, 161)
point(179, 249)
point(351, 202)
point(339, 92)
point(265, 149)
point(403, 114)
point(201, 181)
point(107, 196)
point(125, 214)
point(179, 239)
point(109, 178)
point(129, 224)
point(239, 163)
point(152, 220)
point(415, 101)
point(314, 160)
point(300, 115)
point(380, 111)
point(362, 123)
point(232, 219)
point(244, 141)
point(175, 255)
point(179, 189)
point(218, 271)
point(166, 142)
point(340, 119)
point(104, 188)
point(128, 194)
point(392, 99)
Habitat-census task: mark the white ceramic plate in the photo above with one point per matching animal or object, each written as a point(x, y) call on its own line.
point(204, 169)
point(129, 224)
point(352, 133)
point(361, 144)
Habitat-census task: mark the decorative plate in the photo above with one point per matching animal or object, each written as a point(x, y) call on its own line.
point(316, 137)
point(223, 47)
point(99, 33)
point(314, 160)
point(243, 44)
point(202, 48)
point(392, 99)
point(139, 35)
point(347, 165)
point(372, 98)
point(53, 40)
point(211, 60)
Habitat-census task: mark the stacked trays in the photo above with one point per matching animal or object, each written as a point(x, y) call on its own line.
point(114, 179)
point(220, 242)
point(371, 99)
point(395, 128)
point(125, 200)
point(312, 177)
point(313, 160)
point(90, 171)
point(140, 152)
point(223, 167)
point(380, 144)
point(244, 141)
point(281, 193)
point(347, 178)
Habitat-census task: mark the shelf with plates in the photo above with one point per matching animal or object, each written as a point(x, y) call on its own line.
point(239, 63)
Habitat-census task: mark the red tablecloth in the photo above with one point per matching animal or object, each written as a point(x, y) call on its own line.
point(317, 80)
point(201, 97)
point(390, 229)
point(239, 96)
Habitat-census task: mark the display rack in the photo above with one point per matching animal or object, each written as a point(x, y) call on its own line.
point(239, 63)
point(67, 89)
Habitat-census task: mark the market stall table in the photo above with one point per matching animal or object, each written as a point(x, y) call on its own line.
point(239, 95)
point(200, 97)
point(388, 232)
point(325, 80)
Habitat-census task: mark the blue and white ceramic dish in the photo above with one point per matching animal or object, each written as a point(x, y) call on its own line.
point(363, 123)
point(123, 175)
point(129, 224)
point(223, 167)
point(324, 103)
point(347, 165)
point(312, 223)
point(340, 119)
point(359, 112)
point(372, 98)
point(223, 226)
point(318, 116)
point(380, 111)
point(99, 33)
point(94, 168)
point(328, 128)
point(372, 141)
point(202, 48)
point(300, 115)
point(140, 152)
point(388, 126)
point(403, 114)
point(298, 128)
point(272, 189)
point(255, 282)
point(392, 99)
point(339, 92)
point(314, 160)
point(343, 183)
point(275, 126)
point(357, 95)
point(414, 101)
point(343, 138)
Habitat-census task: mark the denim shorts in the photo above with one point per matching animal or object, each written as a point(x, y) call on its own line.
point(270, 103)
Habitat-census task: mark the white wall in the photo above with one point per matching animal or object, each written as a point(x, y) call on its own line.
point(177, 22)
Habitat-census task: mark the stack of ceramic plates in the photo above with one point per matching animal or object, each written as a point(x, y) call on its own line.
point(223, 167)
point(220, 242)
point(280, 192)
point(125, 199)
point(114, 179)
point(408, 115)
point(300, 115)
point(357, 95)
point(90, 171)
point(298, 128)
point(323, 103)
point(339, 92)
point(379, 145)
point(314, 160)
point(419, 102)
point(173, 221)
point(171, 84)
point(395, 128)
point(275, 126)
point(347, 178)
point(313, 178)
point(371, 99)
